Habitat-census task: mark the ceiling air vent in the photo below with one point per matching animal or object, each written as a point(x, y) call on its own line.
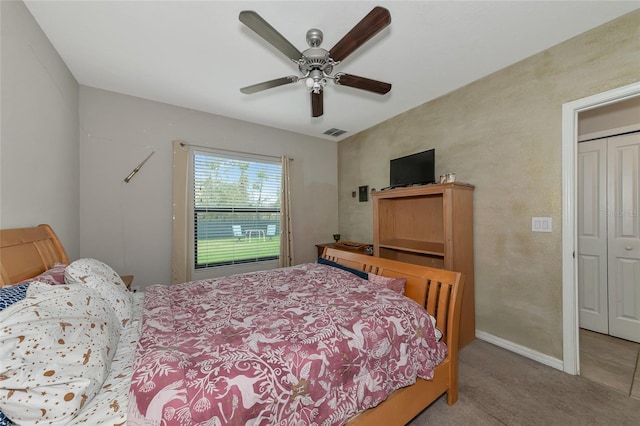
point(335, 132)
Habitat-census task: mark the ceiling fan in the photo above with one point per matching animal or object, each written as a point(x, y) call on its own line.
point(316, 64)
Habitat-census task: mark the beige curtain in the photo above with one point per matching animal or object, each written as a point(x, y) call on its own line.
point(180, 272)
point(286, 236)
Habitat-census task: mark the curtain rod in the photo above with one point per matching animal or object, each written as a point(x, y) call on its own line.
point(183, 144)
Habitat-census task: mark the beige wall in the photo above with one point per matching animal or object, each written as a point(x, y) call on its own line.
point(39, 136)
point(503, 134)
point(128, 225)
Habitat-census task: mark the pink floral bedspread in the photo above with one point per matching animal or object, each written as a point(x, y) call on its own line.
point(306, 345)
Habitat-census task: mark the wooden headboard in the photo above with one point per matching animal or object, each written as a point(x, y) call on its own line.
point(27, 252)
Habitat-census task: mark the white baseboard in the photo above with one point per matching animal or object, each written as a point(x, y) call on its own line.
point(521, 350)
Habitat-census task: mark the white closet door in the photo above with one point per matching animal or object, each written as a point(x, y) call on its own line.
point(624, 236)
point(592, 235)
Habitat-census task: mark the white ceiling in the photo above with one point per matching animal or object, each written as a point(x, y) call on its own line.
point(197, 54)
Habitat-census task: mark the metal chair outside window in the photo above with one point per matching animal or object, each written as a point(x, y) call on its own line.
point(237, 232)
point(271, 231)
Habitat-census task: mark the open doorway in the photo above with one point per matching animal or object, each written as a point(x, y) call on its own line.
point(571, 111)
point(608, 250)
point(608, 215)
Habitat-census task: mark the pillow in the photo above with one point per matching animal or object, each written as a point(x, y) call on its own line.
point(8, 296)
point(12, 294)
point(47, 279)
point(436, 329)
point(361, 274)
point(395, 284)
point(57, 272)
point(105, 281)
point(52, 276)
point(56, 348)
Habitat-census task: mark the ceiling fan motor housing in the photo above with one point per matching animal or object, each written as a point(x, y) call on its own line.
point(315, 58)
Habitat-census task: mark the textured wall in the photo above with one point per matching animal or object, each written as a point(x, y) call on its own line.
point(503, 134)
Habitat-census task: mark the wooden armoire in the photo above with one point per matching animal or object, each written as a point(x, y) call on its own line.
point(430, 225)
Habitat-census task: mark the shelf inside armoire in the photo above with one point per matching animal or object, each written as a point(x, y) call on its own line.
point(416, 246)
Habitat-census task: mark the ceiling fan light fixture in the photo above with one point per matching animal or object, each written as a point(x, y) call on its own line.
point(316, 81)
point(309, 82)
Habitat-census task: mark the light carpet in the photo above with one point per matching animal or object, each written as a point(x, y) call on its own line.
point(499, 387)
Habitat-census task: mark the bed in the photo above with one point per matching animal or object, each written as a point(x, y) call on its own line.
point(26, 253)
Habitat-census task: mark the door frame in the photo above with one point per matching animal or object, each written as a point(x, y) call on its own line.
point(570, 110)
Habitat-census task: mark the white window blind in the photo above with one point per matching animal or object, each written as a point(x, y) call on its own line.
point(236, 208)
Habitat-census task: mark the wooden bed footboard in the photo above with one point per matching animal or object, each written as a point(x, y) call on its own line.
point(440, 293)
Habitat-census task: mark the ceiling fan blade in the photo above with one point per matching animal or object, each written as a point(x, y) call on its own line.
point(269, 84)
point(261, 27)
point(369, 26)
point(362, 83)
point(317, 104)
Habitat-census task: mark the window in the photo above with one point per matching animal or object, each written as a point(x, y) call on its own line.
point(236, 209)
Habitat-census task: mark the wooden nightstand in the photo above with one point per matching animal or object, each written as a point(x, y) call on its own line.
point(360, 247)
point(321, 247)
point(127, 279)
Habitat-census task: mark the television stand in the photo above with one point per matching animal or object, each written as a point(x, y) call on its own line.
point(430, 225)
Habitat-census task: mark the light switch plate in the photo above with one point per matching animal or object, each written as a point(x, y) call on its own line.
point(541, 224)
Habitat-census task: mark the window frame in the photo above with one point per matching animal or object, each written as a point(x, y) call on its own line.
point(223, 268)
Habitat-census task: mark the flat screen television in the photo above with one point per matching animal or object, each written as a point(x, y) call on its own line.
point(414, 169)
